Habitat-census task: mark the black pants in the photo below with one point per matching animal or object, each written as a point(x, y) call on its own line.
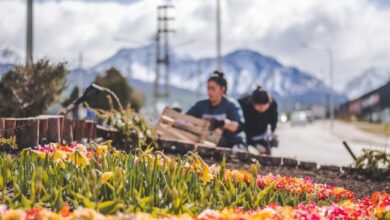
point(230, 142)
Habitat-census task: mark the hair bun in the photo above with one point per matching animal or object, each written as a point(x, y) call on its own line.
point(218, 77)
point(260, 96)
point(219, 73)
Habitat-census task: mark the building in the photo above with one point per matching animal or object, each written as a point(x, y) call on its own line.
point(373, 106)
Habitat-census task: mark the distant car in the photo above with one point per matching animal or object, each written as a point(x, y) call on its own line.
point(310, 116)
point(299, 118)
point(283, 118)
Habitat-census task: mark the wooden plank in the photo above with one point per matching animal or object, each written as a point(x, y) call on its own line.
point(54, 129)
point(186, 122)
point(183, 122)
point(166, 131)
point(106, 133)
point(79, 131)
point(10, 126)
point(93, 134)
point(174, 125)
point(211, 136)
point(61, 126)
point(43, 129)
point(27, 132)
point(2, 127)
point(67, 134)
point(89, 129)
point(175, 146)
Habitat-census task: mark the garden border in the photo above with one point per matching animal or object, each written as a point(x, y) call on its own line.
point(33, 131)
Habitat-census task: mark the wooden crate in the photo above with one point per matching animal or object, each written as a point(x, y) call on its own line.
point(173, 125)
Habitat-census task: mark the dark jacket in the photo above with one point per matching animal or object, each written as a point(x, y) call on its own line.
point(256, 123)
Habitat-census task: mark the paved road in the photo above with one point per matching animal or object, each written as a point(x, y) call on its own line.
point(317, 142)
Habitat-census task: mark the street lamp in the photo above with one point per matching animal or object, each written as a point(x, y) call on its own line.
point(330, 57)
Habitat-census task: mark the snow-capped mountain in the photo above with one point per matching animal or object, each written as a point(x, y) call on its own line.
point(8, 58)
point(5, 68)
point(244, 70)
point(369, 80)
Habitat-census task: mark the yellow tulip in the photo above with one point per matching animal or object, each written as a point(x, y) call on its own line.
point(106, 176)
point(58, 155)
point(119, 173)
point(60, 163)
point(39, 154)
point(101, 150)
point(78, 159)
point(207, 176)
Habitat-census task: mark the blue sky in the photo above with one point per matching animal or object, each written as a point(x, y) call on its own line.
point(356, 30)
point(381, 4)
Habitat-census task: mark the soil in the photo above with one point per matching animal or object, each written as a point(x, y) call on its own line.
point(358, 183)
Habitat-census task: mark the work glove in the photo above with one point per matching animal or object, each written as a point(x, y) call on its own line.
point(215, 123)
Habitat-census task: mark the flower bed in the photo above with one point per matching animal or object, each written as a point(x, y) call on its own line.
point(99, 181)
point(376, 208)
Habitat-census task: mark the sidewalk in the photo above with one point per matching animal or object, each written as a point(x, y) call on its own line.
point(318, 143)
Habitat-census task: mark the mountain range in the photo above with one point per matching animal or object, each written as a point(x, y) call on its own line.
point(367, 81)
point(244, 69)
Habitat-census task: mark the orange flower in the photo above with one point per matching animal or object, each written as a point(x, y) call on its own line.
point(65, 211)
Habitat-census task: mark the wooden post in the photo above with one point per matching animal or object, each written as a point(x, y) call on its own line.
point(67, 134)
point(79, 130)
point(43, 129)
point(61, 126)
point(2, 127)
point(89, 129)
point(10, 125)
point(27, 132)
point(93, 135)
point(54, 129)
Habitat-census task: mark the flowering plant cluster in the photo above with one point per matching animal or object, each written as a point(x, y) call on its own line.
point(378, 207)
point(78, 154)
point(98, 182)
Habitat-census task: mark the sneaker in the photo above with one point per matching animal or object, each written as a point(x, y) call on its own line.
point(253, 150)
point(239, 147)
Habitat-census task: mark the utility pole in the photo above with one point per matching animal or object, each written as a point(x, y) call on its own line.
point(199, 67)
point(81, 72)
point(29, 40)
point(162, 49)
point(162, 52)
point(219, 47)
point(331, 104)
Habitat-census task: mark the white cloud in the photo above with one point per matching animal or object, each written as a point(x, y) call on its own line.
point(356, 30)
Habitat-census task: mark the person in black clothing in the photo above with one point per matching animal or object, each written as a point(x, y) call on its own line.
point(260, 111)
